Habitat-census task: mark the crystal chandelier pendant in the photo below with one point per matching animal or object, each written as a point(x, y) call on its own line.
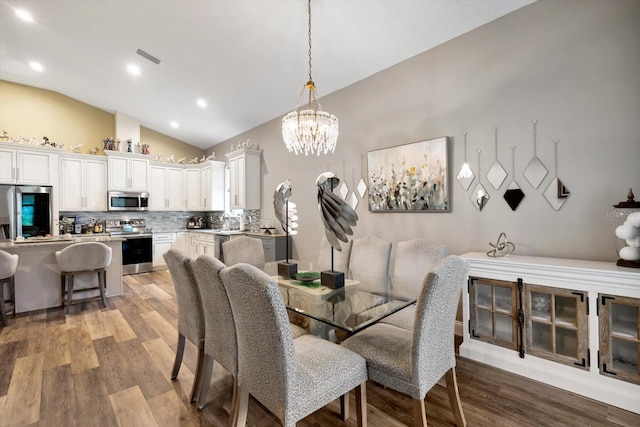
point(311, 130)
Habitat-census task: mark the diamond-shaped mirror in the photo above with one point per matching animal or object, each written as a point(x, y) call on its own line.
point(513, 195)
point(556, 194)
point(362, 188)
point(535, 172)
point(496, 175)
point(479, 197)
point(353, 201)
point(343, 190)
point(465, 176)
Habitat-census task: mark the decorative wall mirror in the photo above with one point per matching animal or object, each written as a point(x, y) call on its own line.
point(465, 176)
point(535, 170)
point(556, 193)
point(514, 193)
point(479, 196)
point(496, 174)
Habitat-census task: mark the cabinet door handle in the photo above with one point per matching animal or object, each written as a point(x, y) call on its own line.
point(13, 174)
point(205, 201)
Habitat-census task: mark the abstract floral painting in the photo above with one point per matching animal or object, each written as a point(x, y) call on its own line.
point(409, 178)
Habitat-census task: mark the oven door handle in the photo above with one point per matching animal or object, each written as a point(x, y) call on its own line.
point(138, 236)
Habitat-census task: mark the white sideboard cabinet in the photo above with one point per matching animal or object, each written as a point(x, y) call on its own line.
point(569, 323)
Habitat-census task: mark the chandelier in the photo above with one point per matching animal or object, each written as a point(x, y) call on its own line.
point(311, 130)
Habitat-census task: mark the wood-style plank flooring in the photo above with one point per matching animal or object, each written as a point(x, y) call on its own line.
point(111, 367)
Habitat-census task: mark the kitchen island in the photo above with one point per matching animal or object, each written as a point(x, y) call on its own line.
point(37, 281)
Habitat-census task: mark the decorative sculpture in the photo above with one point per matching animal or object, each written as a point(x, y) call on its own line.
point(286, 214)
point(502, 247)
point(338, 218)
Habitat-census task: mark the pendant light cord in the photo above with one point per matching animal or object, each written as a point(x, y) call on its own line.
point(310, 79)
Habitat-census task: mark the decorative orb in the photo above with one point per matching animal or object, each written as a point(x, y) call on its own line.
point(633, 219)
point(630, 253)
point(626, 232)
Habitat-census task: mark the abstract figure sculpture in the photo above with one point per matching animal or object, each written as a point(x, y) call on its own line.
point(338, 218)
point(286, 214)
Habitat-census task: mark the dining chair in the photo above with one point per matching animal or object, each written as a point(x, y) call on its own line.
point(291, 378)
point(79, 258)
point(220, 342)
point(243, 249)
point(190, 315)
point(414, 258)
point(413, 361)
point(8, 268)
point(340, 258)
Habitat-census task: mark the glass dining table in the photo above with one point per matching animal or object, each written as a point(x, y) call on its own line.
point(365, 299)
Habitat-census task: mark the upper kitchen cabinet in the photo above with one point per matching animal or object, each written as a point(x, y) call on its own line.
point(27, 165)
point(165, 188)
point(83, 183)
point(212, 186)
point(192, 199)
point(244, 178)
point(128, 172)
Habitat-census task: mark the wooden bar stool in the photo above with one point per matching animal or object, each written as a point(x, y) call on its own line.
point(8, 267)
point(89, 257)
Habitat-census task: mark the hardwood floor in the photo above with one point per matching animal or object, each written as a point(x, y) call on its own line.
point(111, 367)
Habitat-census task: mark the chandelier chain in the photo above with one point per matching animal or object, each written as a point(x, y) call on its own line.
point(310, 79)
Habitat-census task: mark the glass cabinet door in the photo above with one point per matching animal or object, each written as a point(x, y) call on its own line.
point(619, 321)
point(556, 325)
point(494, 311)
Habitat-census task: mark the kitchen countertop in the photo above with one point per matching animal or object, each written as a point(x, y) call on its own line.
point(59, 240)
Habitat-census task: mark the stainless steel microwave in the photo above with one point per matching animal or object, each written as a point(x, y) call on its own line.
point(128, 201)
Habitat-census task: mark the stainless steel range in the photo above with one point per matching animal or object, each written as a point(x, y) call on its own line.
point(137, 248)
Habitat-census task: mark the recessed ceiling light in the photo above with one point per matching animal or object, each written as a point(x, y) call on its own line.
point(201, 103)
point(36, 66)
point(175, 125)
point(24, 15)
point(133, 69)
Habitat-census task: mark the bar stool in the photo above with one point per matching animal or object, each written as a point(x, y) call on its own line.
point(88, 257)
point(8, 267)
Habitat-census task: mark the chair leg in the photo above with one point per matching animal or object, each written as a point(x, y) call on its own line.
point(178, 360)
point(454, 397)
point(69, 292)
point(344, 407)
point(361, 404)
point(3, 311)
point(206, 379)
point(102, 283)
point(197, 381)
point(242, 408)
point(63, 293)
point(419, 413)
point(234, 402)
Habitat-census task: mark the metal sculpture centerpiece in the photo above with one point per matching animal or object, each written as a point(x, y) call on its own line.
point(286, 213)
point(338, 219)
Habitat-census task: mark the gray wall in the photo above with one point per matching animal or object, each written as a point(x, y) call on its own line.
point(573, 65)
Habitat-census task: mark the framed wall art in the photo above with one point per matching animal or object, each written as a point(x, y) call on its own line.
point(410, 178)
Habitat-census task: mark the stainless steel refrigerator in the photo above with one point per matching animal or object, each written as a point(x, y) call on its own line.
point(25, 210)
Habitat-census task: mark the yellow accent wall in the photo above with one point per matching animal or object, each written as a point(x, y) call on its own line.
point(31, 111)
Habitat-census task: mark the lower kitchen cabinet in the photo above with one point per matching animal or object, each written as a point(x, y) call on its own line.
point(275, 246)
point(569, 323)
point(162, 242)
point(202, 244)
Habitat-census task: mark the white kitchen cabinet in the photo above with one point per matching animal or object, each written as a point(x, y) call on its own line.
point(244, 178)
point(202, 244)
point(212, 186)
point(162, 242)
point(36, 166)
point(165, 188)
point(182, 242)
point(572, 324)
point(128, 172)
point(83, 183)
point(192, 183)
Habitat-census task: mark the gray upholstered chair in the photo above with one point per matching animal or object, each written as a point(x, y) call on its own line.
point(87, 257)
point(8, 267)
point(243, 249)
point(190, 314)
point(412, 362)
point(340, 258)
point(220, 342)
point(291, 378)
point(413, 260)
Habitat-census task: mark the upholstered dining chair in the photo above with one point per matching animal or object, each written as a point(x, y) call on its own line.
point(86, 257)
point(412, 362)
point(243, 249)
point(220, 342)
point(8, 267)
point(291, 378)
point(414, 258)
point(190, 315)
